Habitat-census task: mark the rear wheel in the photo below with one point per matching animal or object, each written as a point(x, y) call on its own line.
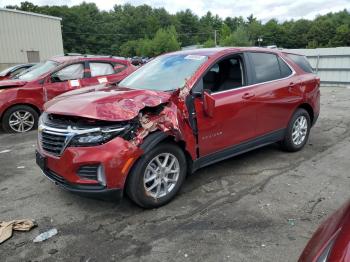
point(20, 119)
point(157, 176)
point(298, 131)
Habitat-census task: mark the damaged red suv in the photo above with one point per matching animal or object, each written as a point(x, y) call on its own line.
point(22, 97)
point(178, 113)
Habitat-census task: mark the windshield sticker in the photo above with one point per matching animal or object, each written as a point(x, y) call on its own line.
point(74, 83)
point(195, 57)
point(102, 80)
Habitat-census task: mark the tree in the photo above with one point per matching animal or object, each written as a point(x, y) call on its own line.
point(237, 38)
point(165, 40)
point(131, 30)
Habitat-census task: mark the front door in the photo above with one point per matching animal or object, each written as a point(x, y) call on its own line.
point(234, 116)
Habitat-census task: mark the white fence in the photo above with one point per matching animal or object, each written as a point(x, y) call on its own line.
point(331, 64)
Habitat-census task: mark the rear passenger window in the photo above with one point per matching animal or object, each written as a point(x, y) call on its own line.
point(285, 69)
point(101, 69)
point(302, 62)
point(266, 67)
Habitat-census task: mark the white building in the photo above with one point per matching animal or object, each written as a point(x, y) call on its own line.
point(28, 37)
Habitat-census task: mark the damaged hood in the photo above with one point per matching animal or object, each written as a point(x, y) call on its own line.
point(110, 104)
point(11, 83)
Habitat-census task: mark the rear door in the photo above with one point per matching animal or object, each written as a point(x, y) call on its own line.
point(65, 79)
point(277, 91)
point(105, 71)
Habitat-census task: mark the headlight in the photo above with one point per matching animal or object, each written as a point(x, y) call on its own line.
point(97, 138)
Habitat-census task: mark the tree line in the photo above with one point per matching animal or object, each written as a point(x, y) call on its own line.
point(129, 30)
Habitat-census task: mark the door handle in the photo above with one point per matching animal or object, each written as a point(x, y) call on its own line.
point(248, 95)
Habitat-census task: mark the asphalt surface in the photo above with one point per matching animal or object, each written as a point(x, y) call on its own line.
point(260, 206)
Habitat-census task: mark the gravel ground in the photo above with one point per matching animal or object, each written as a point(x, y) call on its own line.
point(260, 206)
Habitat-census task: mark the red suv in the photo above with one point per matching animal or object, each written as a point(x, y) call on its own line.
point(22, 97)
point(178, 113)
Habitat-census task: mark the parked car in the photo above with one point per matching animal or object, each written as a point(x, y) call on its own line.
point(22, 97)
point(178, 113)
point(12, 71)
point(331, 241)
point(137, 61)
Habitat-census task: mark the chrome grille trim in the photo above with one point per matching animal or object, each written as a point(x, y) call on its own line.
point(55, 140)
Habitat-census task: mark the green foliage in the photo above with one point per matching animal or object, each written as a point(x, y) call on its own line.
point(165, 41)
point(237, 38)
point(142, 30)
point(209, 43)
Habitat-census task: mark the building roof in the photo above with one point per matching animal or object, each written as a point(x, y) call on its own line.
point(29, 13)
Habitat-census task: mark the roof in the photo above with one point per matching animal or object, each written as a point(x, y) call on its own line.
point(29, 13)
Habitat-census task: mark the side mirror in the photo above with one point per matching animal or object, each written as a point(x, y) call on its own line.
point(208, 103)
point(55, 78)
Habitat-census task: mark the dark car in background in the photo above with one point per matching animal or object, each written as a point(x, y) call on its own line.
point(13, 71)
point(22, 97)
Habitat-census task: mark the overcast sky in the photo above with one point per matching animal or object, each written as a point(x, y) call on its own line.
point(264, 10)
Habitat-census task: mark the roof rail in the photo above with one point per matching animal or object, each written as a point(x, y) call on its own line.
point(72, 54)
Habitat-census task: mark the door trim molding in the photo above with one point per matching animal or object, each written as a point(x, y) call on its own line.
point(244, 147)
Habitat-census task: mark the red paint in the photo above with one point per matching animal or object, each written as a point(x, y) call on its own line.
point(110, 104)
point(336, 228)
point(232, 117)
point(37, 91)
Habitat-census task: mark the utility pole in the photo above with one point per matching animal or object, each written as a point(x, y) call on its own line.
point(215, 41)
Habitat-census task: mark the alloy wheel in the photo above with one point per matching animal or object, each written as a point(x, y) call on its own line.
point(299, 130)
point(161, 175)
point(21, 121)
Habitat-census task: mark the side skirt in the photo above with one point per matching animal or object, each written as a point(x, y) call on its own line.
point(239, 149)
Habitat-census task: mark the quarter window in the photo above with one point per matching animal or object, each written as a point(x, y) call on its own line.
point(302, 62)
point(266, 67)
point(101, 69)
point(285, 69)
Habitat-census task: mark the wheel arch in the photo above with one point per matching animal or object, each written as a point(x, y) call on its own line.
point(157, 137)
point(21, 104)
point(153, 140)
point(309, 109)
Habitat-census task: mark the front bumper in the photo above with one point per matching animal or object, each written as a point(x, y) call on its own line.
point(117, 156)
point(99, 192)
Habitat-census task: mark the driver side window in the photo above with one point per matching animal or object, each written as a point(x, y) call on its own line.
point(225, 75)
point(71, 72)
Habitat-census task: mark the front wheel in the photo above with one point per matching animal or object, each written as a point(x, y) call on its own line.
point(298, 131)
point(19, 119)
point(157, 176)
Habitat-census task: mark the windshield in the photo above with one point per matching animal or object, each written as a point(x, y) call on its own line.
point(7, 70)
point(37, 70)
point(165, 73)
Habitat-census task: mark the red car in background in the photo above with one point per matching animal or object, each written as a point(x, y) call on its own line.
point(331, 241)
point(12, 71)
point(22, 97)
point(177, 113)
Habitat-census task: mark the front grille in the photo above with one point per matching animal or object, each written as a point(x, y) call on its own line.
point(88, 172)
point(53, 142)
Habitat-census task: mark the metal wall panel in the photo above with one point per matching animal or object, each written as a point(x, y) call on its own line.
point(332, 65)
point(21, 32)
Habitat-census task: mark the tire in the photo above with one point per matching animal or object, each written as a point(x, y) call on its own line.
point(143, 192)
point(29, 119)
point(294, 142)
